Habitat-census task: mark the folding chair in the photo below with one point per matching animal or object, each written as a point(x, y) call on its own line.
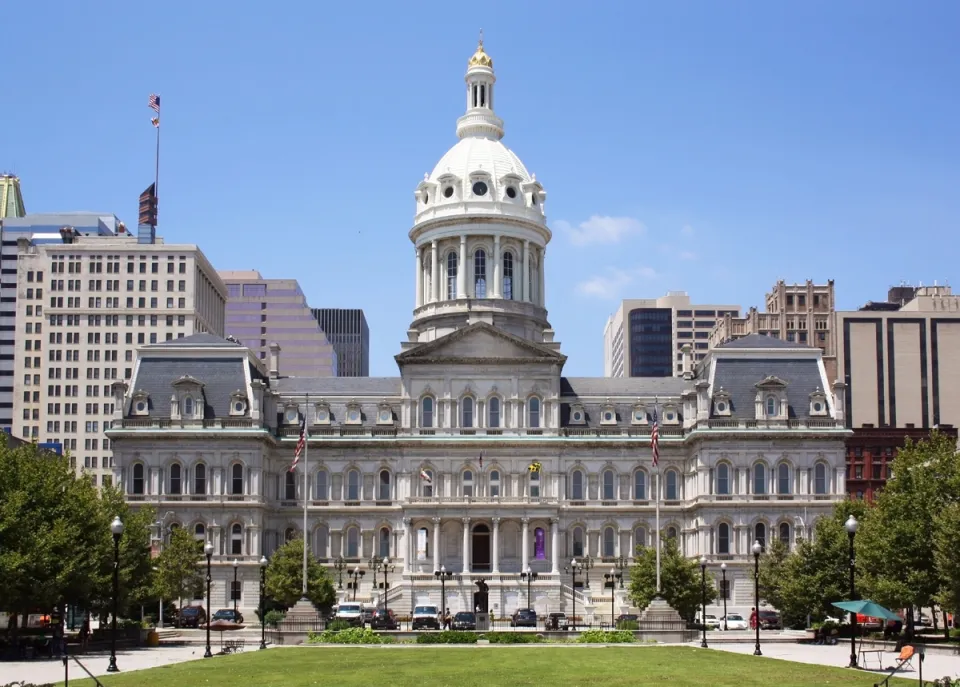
point(905, 659)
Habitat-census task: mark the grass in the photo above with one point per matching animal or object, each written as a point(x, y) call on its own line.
point(489, 667)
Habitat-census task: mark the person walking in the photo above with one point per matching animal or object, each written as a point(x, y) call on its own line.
point(753, 618)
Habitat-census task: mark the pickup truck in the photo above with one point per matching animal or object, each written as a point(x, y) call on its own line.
point(426, 617)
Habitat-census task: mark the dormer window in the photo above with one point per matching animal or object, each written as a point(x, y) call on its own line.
point(238, 403)
point(479, 188)
point(721, 403)
point(322, 413)
point(448, 192)
point(384, 413)
point(670, 414)
point(638, 415)
point(577, 415)
point(771, 399)
point(772, 410)
point(511, 192)
point(140, 404)
point(189, 393)
point(354, 415)
point(608, 414)
point(818, 404)
point(291, 415)
point(188, 407)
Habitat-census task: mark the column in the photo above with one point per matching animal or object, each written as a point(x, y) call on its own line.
point(525, 277)
point(436, 543)
point(496, 545)
point(419, 273)
point(466, 544)
point(525, 557)
point(462, 269)
point(407, 557)
point(495, 291)
point(541, 297)
point(555, 546)
point(434, 272)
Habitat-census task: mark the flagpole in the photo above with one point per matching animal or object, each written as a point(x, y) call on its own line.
point(658, 527)
point(156, 172)
point(306, 486)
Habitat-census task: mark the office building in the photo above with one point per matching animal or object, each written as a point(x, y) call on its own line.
point(11, 198)
point(262, 311)
point(88, 297)
point(644, 337)
point(346, 329)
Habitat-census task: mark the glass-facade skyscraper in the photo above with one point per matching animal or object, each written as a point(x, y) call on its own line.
point(348, 332)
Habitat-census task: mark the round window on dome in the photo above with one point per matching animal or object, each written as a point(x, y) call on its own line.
point(479, 188)
point(448, 192)
point(511, 192)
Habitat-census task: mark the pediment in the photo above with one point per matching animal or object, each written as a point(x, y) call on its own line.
point(480, 342)
point(771, 382)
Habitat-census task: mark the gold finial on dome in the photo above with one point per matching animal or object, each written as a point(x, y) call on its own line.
point(480, 58)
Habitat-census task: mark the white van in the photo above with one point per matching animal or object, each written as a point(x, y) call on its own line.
point(352, 612)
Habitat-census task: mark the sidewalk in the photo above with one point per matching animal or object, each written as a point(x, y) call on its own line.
point(51, 670)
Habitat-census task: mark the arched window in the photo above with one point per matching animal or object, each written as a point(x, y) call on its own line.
point(533, 412)
point(508, 275)
point(188, 407)
point(467, 478)
point(451, 276)
point(200, 479)
point(384, 487)
point(639, 537)
point(176, 479)
point(783, 478)
point(323, 486)
point(723, 538)
point(609, 480)
point(423, 536)
point(723, 479)
point(640, 485)
point(577, 541)
point(290, 486)
point(771, 406)
point(820, 479)
point(323, 541)
point(353, 543)
point(426, 412)
point(353, 485)
point(137, 485)
point(466, 412)
point(672, 533)
point(493, 412)
point(289, 535)
point(236, 482)
point(609, 540)
point(480, 274)
point(199, 531)
point(383, 546)
point(534, 485)
point(760, 535)
point(784, 534)
point(494, 483)
point(426, 479)
point(236, 540)
point(759, 479)
point(673, 489)
point(576, 486)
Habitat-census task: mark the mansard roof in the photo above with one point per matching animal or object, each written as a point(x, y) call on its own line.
point(742, 377)
point(761, 341)
point(200, 340)
point(220, 378)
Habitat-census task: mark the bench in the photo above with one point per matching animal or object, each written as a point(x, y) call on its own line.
point(232, 646)
point(876, 654)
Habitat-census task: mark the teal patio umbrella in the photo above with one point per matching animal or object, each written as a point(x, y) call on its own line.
point(866, 607)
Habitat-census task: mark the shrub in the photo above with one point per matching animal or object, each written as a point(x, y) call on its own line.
point(605, 637)
point(274, 618)
point(628, 625)
point(450, 637)
point(354, 635)
point(338, 624)
point(513, 638)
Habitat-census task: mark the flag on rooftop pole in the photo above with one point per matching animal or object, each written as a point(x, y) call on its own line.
point(301, 442)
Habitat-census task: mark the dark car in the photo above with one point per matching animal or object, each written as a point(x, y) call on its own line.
point(228, 615)
point(383, 620)
point(464, 621)
point(770, 620)
point(524, 617)
point(558, 621)
point(191, 616)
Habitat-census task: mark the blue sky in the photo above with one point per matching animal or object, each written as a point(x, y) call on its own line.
point(700, 146)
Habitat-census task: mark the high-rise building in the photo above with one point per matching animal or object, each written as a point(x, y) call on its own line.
point(644, 337)
point(347, 330)
point(265, 311)
point(11, 199)
point(88, 297)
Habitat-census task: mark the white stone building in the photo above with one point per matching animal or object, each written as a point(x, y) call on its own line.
point(431, 468)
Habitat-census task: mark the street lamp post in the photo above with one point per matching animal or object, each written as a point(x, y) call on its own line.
point(340, 565)
point(387, 567)
point(263, 594)
point(574, 568)
point(161, 531)
point(377, 564)
point(703, 601)
point(610, 579)
point(357, 574)
point(233, 589)
point(723, 590)
point(208, 550)
point(116, 528)
point(851, 526)
point(586, 564)
point(757, 548)
point(621, 563)
point(529, 576)
point(443, 575)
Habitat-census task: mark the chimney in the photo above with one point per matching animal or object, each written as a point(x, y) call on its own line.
point(839, 398)
point(274, 370)
point(687, 351)
point(119, 391)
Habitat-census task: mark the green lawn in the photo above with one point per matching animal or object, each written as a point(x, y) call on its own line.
point(488, 667)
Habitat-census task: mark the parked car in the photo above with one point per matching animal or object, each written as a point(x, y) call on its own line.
point(228, 615)
point(770, 620)
point(558, 621)
point(383, 620)
point(464, 621)
point(627, 618)
point(351, 613)
point(524, 617)
point(191, 616)
point(711, 621)
point(734, 621)
point(426, 618)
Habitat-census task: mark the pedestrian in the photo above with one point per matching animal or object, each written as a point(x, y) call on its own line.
point(753, 618)
point(446, 619)
point(84, 633)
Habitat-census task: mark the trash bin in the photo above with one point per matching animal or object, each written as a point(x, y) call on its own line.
point(483, 622)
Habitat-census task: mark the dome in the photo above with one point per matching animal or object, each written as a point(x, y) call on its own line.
point(480, 58)
point(483, 155)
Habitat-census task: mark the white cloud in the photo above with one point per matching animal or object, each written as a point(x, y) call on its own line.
point(687, 255)
point(610, 286)
point(601, 229)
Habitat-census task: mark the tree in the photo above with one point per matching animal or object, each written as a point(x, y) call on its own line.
point(947, 534)
point(285, 577)
point(178, 569)
point(136, 564)
point(679, 579)
point(772, 566)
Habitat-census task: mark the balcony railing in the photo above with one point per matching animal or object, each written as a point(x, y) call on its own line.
point(167, 423)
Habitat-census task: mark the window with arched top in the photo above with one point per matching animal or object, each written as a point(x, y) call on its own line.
point(609, 484)
point(723, 538)
point(236, 540)
point(576, 485)
point(467, 482)
point(640, 485)
point(759, 479)
point(494, 483)
point(577, 541)
point(176, 479)
point(673, 486)
point(784, 534)
point(426, 482)
point(672, 533)
point(188, 407)
point(723, 479)
point(383, 543)
point(353, 542)
point(199, 531)
point(820, 479)
point(426, 412)
point(609, 542)
point(493, 412)
point(353, 485)
point(423, 536)
point(508, 275)
point(760, 535)
point(783, 478)
point(480, 274)
point(771, 406)
point(137, 484)
point(322, 541)
point(466, 412)
point(289, 535)
point(383, 486)
point(534, 485)
point(236, 480)
point(533, 412)
point(639, 537)
point(200, 479)
point(451, 275)
point(322, 488)
point(290, 486)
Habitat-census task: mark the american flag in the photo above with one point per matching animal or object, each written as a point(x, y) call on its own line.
point(301, 442)
point(154, 102)
point(655, 439)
